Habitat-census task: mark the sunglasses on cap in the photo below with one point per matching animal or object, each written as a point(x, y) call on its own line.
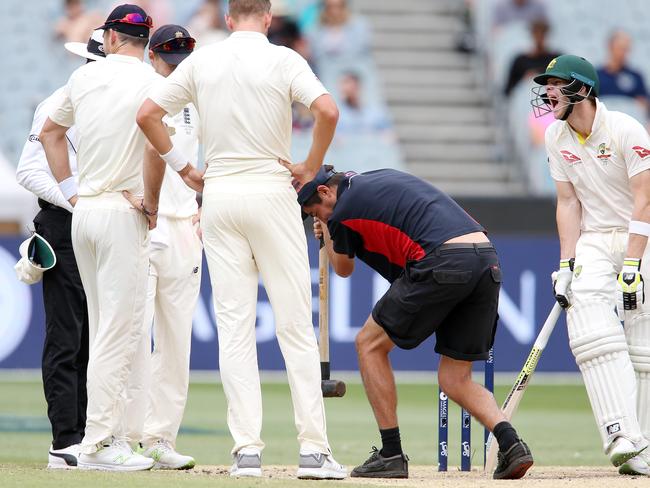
point(133, 19)
point(176, 44)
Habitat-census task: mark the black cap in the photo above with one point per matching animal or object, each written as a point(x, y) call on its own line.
point(172, 43)
point(129, 19)
point(310, 188)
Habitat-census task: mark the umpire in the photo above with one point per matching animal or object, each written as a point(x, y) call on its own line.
point(65, 350)
point(445, 279)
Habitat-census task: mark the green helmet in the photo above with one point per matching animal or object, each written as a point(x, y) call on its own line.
point(569, 67)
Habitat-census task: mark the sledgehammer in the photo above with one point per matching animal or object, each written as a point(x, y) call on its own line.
point(330, 388)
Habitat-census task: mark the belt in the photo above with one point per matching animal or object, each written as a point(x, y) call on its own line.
point(476, 246)
point(45, 205)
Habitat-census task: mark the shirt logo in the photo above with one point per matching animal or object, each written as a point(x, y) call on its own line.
point(33, 138)
point(641, 151)
point(604, 153)
point(570, 158)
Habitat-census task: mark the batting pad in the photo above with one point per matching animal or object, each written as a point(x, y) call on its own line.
point(637, 331)
point(598, 343)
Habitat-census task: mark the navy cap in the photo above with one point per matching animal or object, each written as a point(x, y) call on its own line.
point(129, 19)
point(309, 189)
point(172, 43)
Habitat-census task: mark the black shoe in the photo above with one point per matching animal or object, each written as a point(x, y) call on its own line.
point(513, 463)
point(378, 466)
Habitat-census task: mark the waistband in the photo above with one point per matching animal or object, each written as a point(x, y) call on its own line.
point(476, 247)
point(114, 200)
point(45, 205)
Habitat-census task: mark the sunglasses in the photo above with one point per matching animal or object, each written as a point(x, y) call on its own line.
point(133, 19)
point(176, 44)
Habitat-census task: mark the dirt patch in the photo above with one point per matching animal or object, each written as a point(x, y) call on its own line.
point(537, 477)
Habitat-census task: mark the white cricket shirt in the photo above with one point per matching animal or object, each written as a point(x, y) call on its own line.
point(600, 166)
point(33, 172)
point(102, 100)
point(177, 200)
point(243, 88)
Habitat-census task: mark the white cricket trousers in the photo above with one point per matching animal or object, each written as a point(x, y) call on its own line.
point(157, 390)
point(614, 360)
point(252, 225)
point(111, 244)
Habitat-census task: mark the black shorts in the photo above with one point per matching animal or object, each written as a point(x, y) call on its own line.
point(454, 292)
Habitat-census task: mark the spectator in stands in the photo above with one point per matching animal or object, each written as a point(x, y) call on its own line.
point(527, 65)
point(76, 25)
point(508, 11)
point(207, 24)
point(284, 30)
point(339, 35)
point(354, 115)
point(616, 77)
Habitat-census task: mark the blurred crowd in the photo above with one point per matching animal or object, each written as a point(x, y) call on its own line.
point(335, 41)
point(517, 39)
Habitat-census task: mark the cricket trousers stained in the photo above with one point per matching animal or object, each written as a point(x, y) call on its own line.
point(111, 244)
point(252, 226)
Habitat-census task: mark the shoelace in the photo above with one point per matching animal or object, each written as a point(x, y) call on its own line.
point(163, 446)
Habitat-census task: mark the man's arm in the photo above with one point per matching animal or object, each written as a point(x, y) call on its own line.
point(326, 116)
point(149, 119)
point(55, 145)
point(569, 217)
point(640, 187)
point(343, 264)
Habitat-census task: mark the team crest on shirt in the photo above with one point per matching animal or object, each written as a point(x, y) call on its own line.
point(570, 158)
point(604, 153)
point(641, 151)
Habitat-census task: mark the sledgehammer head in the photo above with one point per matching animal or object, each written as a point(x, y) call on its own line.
point(332, 388)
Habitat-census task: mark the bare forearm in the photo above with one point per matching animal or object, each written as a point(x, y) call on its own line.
point(56, 151)
point(569, 215)
point(636, 243)
point(323, 134)
point(342, 264)
point(154, 172)
point(149, 120)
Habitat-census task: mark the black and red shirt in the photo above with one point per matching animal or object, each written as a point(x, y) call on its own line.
point(387, 218)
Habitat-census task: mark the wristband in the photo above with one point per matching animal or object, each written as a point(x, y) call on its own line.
point(632, 263)
point(147, 212)
point(68, 187)
point(175, 159)
point(567, 263)
point(638, 227)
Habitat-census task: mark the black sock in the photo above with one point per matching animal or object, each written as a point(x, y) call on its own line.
point(506, 435)
point(391, 444)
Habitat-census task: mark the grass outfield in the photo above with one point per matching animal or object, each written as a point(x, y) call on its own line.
point(555, 420)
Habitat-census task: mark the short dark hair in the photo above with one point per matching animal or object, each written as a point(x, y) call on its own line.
point(248, 8)
point(133, 40)
point(333, 182)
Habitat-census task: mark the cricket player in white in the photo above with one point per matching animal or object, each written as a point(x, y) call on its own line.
point(109, 236)
point(600, 161)
point(243, 88)
point(157, 390)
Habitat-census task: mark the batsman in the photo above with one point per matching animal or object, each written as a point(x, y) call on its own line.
point(600, 161)
point(445, 279)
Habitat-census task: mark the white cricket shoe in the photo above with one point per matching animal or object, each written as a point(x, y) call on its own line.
point(166, 457)
point(638, 465)
point(320, 466)
point(115, 455)
point(248, 462)
point(621, 451)
point(65, 458)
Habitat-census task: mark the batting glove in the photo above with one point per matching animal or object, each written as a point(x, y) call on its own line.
point(629, 287)
point(562, 282)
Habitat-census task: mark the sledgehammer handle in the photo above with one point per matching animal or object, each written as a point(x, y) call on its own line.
point(323, 312)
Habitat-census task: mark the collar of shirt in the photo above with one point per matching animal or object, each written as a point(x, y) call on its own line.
point(121, 58)
point(251, 35)
point(599, 120)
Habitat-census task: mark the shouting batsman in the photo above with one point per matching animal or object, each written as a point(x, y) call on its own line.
point(599, 161)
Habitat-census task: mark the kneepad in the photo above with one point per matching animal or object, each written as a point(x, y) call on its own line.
point(598, 344)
